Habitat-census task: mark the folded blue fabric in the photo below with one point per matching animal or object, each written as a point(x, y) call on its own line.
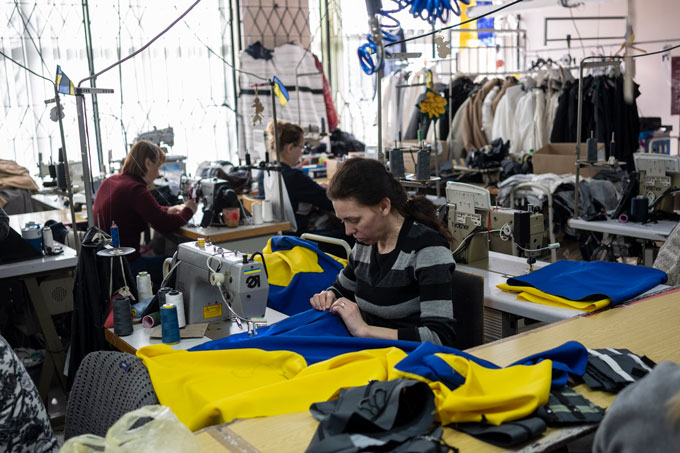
point(294, 298)
point(594, 280)
point(319, 336)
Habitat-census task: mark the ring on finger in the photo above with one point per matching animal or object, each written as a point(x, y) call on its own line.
point(342, 304)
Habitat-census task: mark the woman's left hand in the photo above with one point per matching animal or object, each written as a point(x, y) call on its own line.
point(351, 316)
point(175, 209)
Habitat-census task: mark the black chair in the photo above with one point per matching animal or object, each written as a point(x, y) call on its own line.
point(468, 309)
point(108, 385)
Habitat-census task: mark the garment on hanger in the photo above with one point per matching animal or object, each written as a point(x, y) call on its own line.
point(488, 113)
point(504, 117)
point(473, 136)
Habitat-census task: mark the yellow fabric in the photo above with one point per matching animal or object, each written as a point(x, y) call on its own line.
point(466, 37)
point(283, 265)
point(493, 395)
point(204, 388)
point(531, 294)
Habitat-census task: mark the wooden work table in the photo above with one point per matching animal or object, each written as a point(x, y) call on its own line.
point(648, 327)
point(224, 234)
point(18, 221)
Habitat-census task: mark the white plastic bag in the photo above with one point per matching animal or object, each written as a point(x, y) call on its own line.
point(163, 433)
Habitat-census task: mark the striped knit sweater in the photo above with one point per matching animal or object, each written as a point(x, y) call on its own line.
point(408, 289)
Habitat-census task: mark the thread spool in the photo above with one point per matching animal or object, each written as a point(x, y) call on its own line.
point(32, 234)
point(176, 298)
point(53, 170)
point(48, 240)
point(623, 218)
point(169, 326)
point(61, 175)
point(257, 213)
point(151, 320)
point(638, 209)
point(122, 316)
point(161, 295)
point(144, 286)
point(267, 211)
point(591, 149)
point(115, 238)
point(423, 165)
point(397, 163)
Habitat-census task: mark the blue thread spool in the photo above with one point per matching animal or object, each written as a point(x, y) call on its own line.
point(169, 324)
point(122, 316)
point(639, 208)
point(115, 239)
point(397, 163)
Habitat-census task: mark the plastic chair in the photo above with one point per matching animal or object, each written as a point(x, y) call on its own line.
point(468, 309)
point(108, 385)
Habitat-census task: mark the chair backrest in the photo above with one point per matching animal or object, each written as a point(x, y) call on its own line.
point(468, 309)
point(108, 385)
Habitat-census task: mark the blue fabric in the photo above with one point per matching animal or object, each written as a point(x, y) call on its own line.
point(319, 336)
point(571, 357)
point(294, 298)
point(595, 280)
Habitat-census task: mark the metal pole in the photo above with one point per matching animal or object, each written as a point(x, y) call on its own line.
point(93, 84)
point(233, 73)
point(282, 218)
point(329, 75)
point(67, 172)
point(85, 159)
point(579, 115)
point(381, 155)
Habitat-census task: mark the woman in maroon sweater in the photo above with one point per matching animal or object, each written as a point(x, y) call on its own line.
point(125, 199)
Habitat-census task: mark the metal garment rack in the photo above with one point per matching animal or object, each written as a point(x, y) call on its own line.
point(579, 114)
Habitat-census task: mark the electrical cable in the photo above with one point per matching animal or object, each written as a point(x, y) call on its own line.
point(434, 32)
point(263, 262)
point(25, 68)
point(119, 62)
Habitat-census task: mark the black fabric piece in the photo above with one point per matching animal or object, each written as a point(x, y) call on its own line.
point(428, 443)
point(377, 417)
point(490, 158)
point(600, 375)
point(343, 142)
point(507, 434)
point(259, 52)
point(91, 298)
point(566, 407)
point(164, 196)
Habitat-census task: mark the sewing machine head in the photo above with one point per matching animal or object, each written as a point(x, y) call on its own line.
point(215, 195)
point(216, 281)
point(659, 179)
point(158, 136)
point(469, 208)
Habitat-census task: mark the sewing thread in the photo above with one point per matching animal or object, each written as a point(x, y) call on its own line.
point(169, 326)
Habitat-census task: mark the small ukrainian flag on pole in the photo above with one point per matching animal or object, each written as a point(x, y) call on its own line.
point(64, 84)
point(280, 91)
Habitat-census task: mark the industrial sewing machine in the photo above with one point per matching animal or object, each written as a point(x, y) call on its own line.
point(659, 179)
point(215, 195)
point(471, 218)
point(218, 284)
point(158, 136)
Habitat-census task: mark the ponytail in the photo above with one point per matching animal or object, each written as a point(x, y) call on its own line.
point(424, 211)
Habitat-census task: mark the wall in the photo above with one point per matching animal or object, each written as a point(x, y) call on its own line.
point(653, 20)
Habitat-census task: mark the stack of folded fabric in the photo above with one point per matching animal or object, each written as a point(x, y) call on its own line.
point(613, 369)
point(584, 286)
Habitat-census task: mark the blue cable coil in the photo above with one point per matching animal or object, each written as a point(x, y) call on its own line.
point(366, 52)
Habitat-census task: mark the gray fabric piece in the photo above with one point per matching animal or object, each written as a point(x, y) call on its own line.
point(667, 260)
point(637, 420)
point(19, 201)
point(4, 224)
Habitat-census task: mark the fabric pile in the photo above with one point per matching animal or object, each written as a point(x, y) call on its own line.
point(584, 286)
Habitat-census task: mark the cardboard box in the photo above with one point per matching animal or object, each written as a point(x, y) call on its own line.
point(560, 158)
point(410, 158)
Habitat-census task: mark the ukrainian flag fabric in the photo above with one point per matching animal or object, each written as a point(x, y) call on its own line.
point(212, 387)
point(297, 270)
point(64, 84)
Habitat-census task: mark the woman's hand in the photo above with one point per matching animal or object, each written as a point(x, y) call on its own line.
point(191, 204)
point(322, 301)
point(351, 316)
point(175, 209)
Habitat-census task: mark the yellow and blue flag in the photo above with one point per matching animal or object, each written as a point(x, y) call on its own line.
point(280, 91)
point(64, 84)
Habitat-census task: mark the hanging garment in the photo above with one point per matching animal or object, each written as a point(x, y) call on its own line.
point(595, 280)
point(504, 116)
point(331, 113)
point(296, 270)
point(96, 279)
point(487, 113)
point(391, 106)
point(473, 136)
point(307, 104)
point(454, 141)
point(509, 81)
point(523, 138)
point(380, 415)
point(409, 97)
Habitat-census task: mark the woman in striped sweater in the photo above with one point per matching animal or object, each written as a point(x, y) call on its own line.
point(397, 283)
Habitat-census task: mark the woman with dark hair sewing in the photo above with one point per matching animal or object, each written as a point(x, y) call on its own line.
point(397, 283)
point(126, 199)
